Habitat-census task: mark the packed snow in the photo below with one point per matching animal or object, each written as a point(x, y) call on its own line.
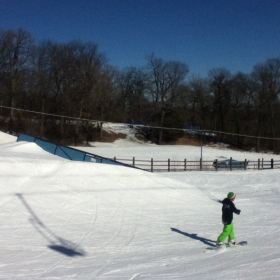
point(75, 220)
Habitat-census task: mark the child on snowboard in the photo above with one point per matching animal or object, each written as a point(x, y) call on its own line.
point(228, 209)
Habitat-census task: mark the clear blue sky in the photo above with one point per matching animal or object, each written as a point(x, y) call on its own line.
point(205, 34)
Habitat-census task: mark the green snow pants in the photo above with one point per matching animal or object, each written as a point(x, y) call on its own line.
point(227, 232)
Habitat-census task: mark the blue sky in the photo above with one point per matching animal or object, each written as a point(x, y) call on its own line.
point(233, 34)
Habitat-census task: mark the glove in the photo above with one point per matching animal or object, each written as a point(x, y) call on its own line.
point(238, 212)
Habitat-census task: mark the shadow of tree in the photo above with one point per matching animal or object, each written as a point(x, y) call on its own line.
point(206, 241)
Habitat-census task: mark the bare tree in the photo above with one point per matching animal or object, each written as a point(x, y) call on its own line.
point(15, 54)
point(200, 102)
point(266, 79)
point(241, 106)
point(164, 80)
point(220, 86)
point(130, 94)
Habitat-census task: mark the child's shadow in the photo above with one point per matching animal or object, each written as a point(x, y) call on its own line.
point(194, 236)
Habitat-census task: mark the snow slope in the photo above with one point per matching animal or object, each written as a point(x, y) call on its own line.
point(132, 147)
point(73, 220)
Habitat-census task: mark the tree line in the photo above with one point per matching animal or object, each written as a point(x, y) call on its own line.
point(75, 79)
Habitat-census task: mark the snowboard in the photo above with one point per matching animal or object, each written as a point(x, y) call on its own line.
point(226, 245)
point(241, 243)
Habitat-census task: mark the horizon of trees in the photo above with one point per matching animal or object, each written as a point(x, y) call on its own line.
point(75, 79)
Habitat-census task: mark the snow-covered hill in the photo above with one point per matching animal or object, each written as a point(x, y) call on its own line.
point(76, 220)
point(132, 147)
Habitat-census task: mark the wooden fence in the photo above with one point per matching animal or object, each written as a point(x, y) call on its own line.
point(168, 165)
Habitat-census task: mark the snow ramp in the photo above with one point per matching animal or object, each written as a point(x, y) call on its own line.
point(70, 153)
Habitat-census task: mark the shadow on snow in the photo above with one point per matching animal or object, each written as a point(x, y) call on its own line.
point(194, 236)
point(60, 245)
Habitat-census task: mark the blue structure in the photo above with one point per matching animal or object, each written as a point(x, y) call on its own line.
point(191, 127)
point(69, 153)
point(230, 164)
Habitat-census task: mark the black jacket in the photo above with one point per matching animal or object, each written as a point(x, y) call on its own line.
point(228, 209)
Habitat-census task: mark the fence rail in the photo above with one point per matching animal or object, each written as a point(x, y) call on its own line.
point(192, 165)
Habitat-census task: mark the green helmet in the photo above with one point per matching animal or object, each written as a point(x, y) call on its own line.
point(231, 195)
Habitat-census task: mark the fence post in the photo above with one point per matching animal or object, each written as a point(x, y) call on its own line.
point(216, 164)
point(101, 131)
point(185, 164)
point(115, 159)
point(152, 165)
point(259, 164)
point(262, 163)
point(245, 164)
point(272, 163)
point(133, 161)
point(200, 164)
point(168, 165)
point(230, 164)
